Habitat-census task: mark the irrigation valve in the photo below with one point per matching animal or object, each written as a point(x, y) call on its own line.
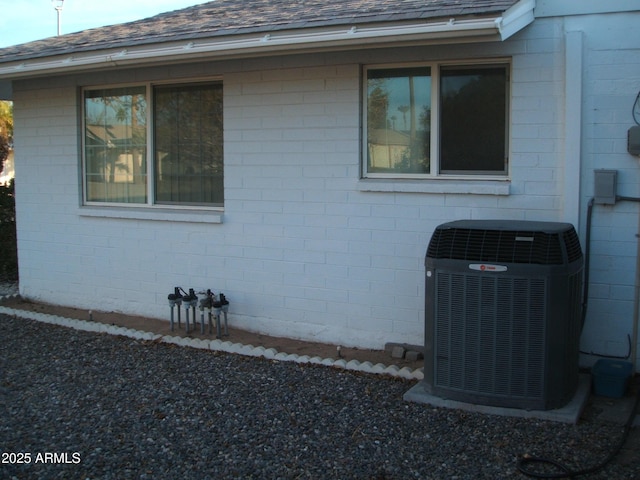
point(214, 307)
point(172, 300)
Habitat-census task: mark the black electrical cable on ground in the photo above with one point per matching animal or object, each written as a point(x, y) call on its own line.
point(526, 461)
point(617, 357)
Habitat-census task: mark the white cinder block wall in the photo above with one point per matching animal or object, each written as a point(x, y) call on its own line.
point(611, 83)
point(305, 248)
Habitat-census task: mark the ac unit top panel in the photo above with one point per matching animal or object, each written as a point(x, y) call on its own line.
point(506, 241)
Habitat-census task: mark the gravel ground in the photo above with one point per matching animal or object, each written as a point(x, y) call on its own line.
point(94, 406)
point(8, 288)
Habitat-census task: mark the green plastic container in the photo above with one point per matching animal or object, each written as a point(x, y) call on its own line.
point(611, 377)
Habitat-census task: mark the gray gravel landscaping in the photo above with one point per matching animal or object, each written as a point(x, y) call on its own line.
point(95, 406)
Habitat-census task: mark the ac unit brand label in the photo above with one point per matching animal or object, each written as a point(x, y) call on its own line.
point(487, 267)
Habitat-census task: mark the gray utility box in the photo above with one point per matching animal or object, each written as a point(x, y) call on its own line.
point(503, 313)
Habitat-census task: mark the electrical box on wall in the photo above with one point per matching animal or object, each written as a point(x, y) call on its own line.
point(633, 140)
point(605, 187)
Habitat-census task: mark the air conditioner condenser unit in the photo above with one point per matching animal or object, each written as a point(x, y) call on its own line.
point(503, 313)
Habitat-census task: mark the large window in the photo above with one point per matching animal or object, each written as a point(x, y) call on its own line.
point(436, 120)
point(154, 145)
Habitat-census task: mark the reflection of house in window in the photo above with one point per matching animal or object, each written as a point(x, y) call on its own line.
point(387, 148)
point(119, 159)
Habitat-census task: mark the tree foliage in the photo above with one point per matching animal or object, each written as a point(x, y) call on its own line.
point(377, 110)
point(6, 130)
point(8, 241)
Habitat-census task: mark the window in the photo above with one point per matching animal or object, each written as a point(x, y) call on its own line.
point(115, 143)
point(436, 120)
point(181, 165)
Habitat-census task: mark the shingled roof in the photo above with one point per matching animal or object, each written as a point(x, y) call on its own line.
point(236, 17)
point(242, 28)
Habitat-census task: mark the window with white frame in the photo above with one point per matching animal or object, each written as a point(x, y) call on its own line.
point(154, 145)
point(436, 120)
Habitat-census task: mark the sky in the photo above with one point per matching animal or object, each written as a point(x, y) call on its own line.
point(23, 21)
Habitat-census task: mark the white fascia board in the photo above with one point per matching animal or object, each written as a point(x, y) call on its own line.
point(516, 18)
point(452, 30)
point(567, 8)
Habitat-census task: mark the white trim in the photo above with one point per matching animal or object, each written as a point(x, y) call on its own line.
point(493, 28)
point(573, 126)
point(516, 18)
point(565, 8)
point(438, 186)
point(152, 213)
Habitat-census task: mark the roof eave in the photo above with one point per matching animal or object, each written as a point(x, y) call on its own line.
point(516, 18)
point(491, 28)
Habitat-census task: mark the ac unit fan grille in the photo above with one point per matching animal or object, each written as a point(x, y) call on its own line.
point(490, 335)
point(505, 246)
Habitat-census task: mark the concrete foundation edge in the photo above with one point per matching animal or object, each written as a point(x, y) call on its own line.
point(570, 413)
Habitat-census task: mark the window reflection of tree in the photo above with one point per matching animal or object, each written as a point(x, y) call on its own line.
point(411, 143)
point(116, 145)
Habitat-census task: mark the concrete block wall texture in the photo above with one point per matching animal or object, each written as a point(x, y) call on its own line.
point(610, 86)
point(302, 250)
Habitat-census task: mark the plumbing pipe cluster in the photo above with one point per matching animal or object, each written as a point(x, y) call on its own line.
point(214, 306)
